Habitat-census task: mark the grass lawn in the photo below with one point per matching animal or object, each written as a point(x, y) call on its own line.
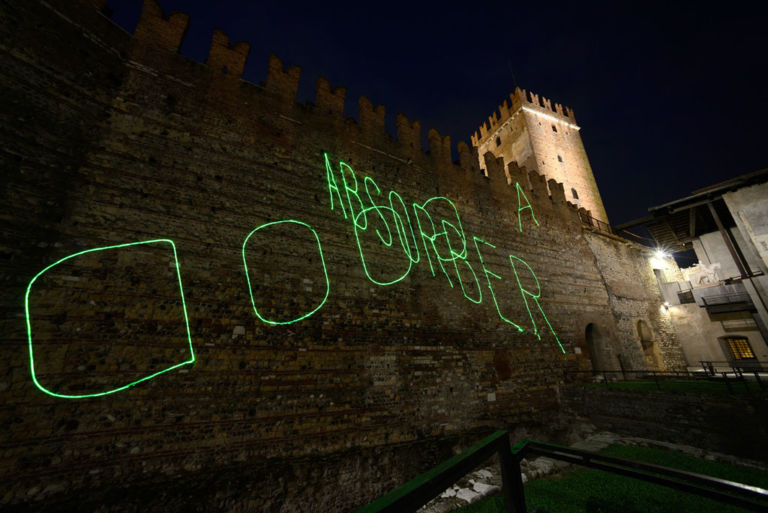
point(580, 489)
point(705, 387)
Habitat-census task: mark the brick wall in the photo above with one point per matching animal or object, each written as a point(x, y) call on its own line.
point(115, 139)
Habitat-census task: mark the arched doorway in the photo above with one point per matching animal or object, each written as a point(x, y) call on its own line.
point(596, 346)
point(650, 350)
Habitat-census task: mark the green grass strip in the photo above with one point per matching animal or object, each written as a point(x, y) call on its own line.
point(587, 490)
point(427, 476)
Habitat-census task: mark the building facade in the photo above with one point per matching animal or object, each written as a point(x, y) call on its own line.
point(718, 306)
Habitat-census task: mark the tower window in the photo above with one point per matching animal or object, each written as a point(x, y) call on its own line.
point(574, 193)
point(498, 141)
point(554, 128)
point(559, 158)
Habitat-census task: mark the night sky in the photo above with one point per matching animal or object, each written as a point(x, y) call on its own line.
point(669, 98)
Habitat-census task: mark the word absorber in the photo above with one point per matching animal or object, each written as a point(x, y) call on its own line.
point(430, 231)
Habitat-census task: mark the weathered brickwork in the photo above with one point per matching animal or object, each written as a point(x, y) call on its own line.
point(111, 139)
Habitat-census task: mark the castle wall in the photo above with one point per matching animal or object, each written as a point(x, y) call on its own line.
point(306, 341)
point(634, 296)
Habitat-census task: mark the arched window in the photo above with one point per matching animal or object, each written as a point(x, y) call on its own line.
point(574, 193)
point(498, 141)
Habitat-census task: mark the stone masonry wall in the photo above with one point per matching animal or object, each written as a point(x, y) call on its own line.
point(140, 185)
point(628, 276)
point(726, 423)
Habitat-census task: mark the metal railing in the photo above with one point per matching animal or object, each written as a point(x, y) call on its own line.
point(737, 367)
point(746, 376)
point(420, 490)
point(595, 223)
point(749, 497)
point(724, 299)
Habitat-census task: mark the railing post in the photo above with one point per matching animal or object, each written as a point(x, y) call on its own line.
point(727, 383)
point(757, 378)
point(656, 379)
point(511, 479)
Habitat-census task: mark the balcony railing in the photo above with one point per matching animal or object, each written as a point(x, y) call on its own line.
point(724, 299)
point(595, 223)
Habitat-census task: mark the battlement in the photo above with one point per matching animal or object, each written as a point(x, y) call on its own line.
point(158, 34)
point(523, 100)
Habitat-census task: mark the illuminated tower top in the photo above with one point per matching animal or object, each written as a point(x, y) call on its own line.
point(542, 136)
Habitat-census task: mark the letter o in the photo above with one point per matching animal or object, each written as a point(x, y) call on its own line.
point(322, 262)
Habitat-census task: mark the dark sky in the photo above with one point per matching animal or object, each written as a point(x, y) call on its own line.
point(669, 98)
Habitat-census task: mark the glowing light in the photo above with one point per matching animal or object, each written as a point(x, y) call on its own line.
point(332, 185)
point(660, 254)
point(387, 242)
point(551, 118)
point(488, 274)
point(322, 262)
point(442, 238)
point(520, 207)
point(535, 296)
point(352, 193)
point(191, 359)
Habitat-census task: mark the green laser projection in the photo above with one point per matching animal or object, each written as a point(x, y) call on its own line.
point(488, 275)
point(520, 208)
point(332, 185)
point(442, 238)
point(322, 262)
point(527, 293)
point(118, 389)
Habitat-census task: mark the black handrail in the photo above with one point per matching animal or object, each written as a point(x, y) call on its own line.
point(749, 497)
point(420, 490)
point(423, 488)
point(736, 366)
point(707, 373)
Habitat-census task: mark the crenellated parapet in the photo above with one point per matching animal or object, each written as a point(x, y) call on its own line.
point(157, 33)
point(283, 83)
point(522, 100)
point(227, 59)
point(330, 102)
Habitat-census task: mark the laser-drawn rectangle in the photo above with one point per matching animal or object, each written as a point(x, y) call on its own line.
point(106, 318)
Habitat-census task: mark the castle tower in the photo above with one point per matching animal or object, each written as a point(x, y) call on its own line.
point(542, 136)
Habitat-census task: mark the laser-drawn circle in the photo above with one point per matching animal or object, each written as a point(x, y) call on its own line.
point(248, 278)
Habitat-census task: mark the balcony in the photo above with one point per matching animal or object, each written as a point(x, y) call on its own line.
point(716, 302)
